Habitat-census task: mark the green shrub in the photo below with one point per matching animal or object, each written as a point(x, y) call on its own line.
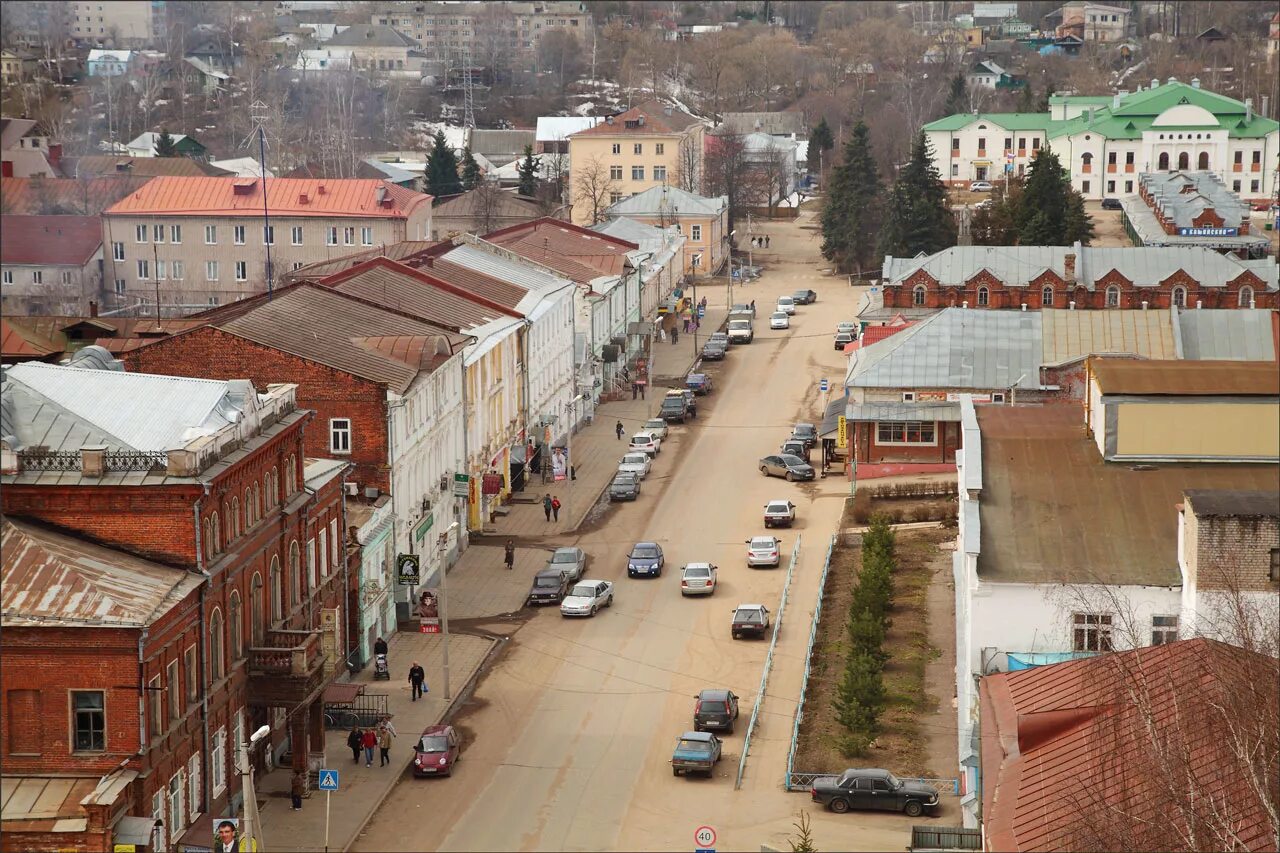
point(854, 745)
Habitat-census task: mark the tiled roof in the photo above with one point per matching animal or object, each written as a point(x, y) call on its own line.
point(658, 119)
point(1187, 378)
point(50, 240)
point(578, 253)
point(1233, 334)
point(875, 334)
point(53, 579)
point(33, 196)
point(148, 167)
point(286, 197)
point(1070, 335)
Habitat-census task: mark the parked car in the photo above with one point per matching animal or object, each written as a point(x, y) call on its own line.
point(742, 308)
point(980, 187)
point(437, 750)
point(795, 447)
point(689, 399)
point(720, 337)
point(1112, 204)
point(750, 620)
point(763, 551)
point(779, 514)
point(646, 558)
point(741, 331)
point(851, 328)
point(549, 587)
point(843, 339)
point(808, 433)
point(788, 466)
point(699, 383)
point(586, 597)
point(674, 410)
point(779, 320)
point(656, 427)
point(787, 304)
point(696, 752)
point(805, 297)
point(571, 561)
point(698, 579)
point(714, 351)
point(647, 442)
point(636, 462)
point(877, 790)
point(625, 487)
point(715, 710)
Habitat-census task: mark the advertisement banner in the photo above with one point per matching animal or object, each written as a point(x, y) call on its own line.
point(560, 463)
point(429, 612)
point(842, 432)
point(461, 485)
point(408, 570)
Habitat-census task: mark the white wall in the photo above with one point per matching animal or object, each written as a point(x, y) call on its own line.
point(550, 355)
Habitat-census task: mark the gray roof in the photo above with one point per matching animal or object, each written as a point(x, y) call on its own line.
point(1230, 334)
point(668, 201)
point(1234, 502)
point(506, 266)
point(903, 412)
point(501, 146)
point(956, 348)
point(392, 172)
point(1181, 196)
point(1150, 233)
point(370, 35)
point(773, 123)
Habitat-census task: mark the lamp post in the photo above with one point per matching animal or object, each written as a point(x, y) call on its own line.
point(442, 542)
point(250, 825)
point(728, 266)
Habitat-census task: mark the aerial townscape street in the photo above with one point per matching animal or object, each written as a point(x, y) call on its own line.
point(776, 425)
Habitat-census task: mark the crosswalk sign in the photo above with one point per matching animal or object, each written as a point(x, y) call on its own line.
point(328, 780)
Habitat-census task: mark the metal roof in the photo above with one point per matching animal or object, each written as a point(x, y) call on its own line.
point(420, 293)
point(903, 412)
point(669, 201)
point(150, 167)
point(1232, 334)
point(1070, 335)
point(370, 35)
point(318, 197)
point(551, 128)
point(1150, 233)
point(1187, 378)
point(87, 197)
point(50, 240)
point(395, 251)
point(498, 265)
point(775, 123)
point(1181, 196)
point(575, 252)
point(1228, 502)
point(658, 119)
point(54, 579)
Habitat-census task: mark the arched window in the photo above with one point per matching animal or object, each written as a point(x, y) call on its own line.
point(248, 508)
point(208, 538)
point(235, 621)
point(216, 529)
point(1046, 297)
point(217, 663)
point(1184, 161)
point(1204, 161)
point(258, 627)
point(257, 503)
point(1179, 297)
point(1246, 297)
point(984, 297)
point(1086, 162)
point(291, 476)
point(1164, 162)
point(233, 518)
point(295, 573)
point(1113, 296)
point(266, 491)
point(275, 486)
point(277, 591)
point(917, 295)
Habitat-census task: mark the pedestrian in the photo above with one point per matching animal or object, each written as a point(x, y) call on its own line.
point(618, 427)
point(546, 505)
point(753, 306)
point(766, 241)
point(386, 724)
point(635, 389)
point(379, 646)
point(509, 555)
point(384, 746)
point(662, 334)
point(417, 679)
point(675, 335)
point(354, 741)
point(555, 507)
point(296, 791)
point(369, 740)
point(642, 386)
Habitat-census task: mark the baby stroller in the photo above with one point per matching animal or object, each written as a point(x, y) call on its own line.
point(381, 671)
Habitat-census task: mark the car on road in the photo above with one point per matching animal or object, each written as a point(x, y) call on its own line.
point(719, 337)
point(714, 351)
point(980, 187)
point(624, 487)
point(1112, 204)
point(779, 514)
point(656, 427)
point(873, 790)
point(549, 587)
point(698, 579)
point(647, 442)
point(571, 561)
point(750, 620)
point(742, 308)
point(787, 304)
point(699, 383)
point(805, 297)
point(795, 447)
point(636, 462)
point(741, 331)
point(437, 750)
point(788, 466)
point(586, 597)
point(851, 328)
point(763, 551)
point(689, 399)
point(808, 433)
point(696, 752)
point(646, 558)
point(843, 339)
point(779, 320)
point(674, 410)
point(715, 710)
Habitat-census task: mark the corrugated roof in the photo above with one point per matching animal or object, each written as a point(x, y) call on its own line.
point(669, 201)
point(773, 123)
point(903, 412)
point(551, 128)
point(578, 253)
point(18, 343)
point(1232, 334)
point(1044, 484)
point(370, 35)
point(501, 206)
point(502, 144)
point(1228, 502)
point(1182, 196)
point(33, 196)
point(395, 251)
point(217, 197)
point(495, 265)
point(1187, 378)
point(149, 167)
point(56, 331)
point(418, 292)
point(53, 579)
point(50, 240)
point(1069, 335)
point(658, 119)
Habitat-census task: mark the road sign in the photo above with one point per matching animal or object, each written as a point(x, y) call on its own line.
point(704, 837)
point(328, 780)
point(822, 385)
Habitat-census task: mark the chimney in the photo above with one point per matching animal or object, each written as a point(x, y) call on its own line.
point(1115, 101)
point(93, 308)
point(92, 463)
point(1144, 305)
point(1069, 267)
point(303, 198)
point(55, 153)
point(608, 119)
point(1248, 110)
point(1172, 80)
point(1155, 81)
point(1199, 304)
point(964, 304)
point(1195, 82)
point(1266, 107)
point(1024, 306)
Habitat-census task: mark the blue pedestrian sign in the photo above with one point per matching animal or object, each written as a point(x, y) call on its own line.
point(822, 385)
point(328, 780)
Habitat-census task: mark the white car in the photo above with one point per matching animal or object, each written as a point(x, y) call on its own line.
point(698, 579)
point(851, 328)
point(786, 304)
point(637, 462)
point(763, 551)
point(647, 442)
point(586, 597)
point(780, 320)
point(656, 426)
point(779, 514)
point(980, 187)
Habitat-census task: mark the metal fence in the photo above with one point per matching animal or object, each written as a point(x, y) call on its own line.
point(768, 665)
point(808, 660)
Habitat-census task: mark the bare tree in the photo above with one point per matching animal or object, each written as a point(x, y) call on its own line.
point(688, 176)
point(592, 191)
point(729, 172)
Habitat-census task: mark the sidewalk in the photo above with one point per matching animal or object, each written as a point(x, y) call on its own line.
point(362, 789)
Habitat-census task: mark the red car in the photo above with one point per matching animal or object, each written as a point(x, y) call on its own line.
point(436, 752)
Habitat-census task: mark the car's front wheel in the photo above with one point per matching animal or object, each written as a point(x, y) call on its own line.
point(790, 477)
point(675, 771)
point(838, 805)
point(764, 469)
point(912, 808)
point(593, 610)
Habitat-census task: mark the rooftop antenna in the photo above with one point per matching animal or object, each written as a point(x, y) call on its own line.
point(259, 113)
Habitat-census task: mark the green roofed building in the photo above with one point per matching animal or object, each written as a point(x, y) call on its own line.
point(1108, 141)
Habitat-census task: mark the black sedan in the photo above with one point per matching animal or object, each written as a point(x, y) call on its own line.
point(713, 351)
point(786, 465)
point(804, 297)
point(873, 790)
point(549, 587)
point(625, 487)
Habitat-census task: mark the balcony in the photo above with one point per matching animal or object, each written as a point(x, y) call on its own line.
point(289, 670)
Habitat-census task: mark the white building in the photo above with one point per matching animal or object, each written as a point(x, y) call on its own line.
point(1107, 142)
point(662, 270)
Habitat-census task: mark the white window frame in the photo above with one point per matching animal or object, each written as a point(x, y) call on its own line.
point(176, 803)
point(210, 270)
point(175, 234)
point(140, 234)
point(162, 271)
point(120, 286)
point(340, 435)
point(157, 234)
point(908, 396)
point(177, 269)
point(37, 276)
point(695, 233)
point(117, 251)
point(295, 235)
point(268, 235)
point(637, 173)
point(334, 542)
point(242, 270)
point(659, 148)
point(66, 276)
point(637, 148)
point(193, 787)
point(904, 427)
point(313, 566)
point(1113, 290)
point(218, 763)
point(144, 269)
point(1092, 632)
point(349, 235)
point(211, 235)
point(323, 548)
point(160, 819)
point(237, 235)
point(660, 173)
point(1164, 629)
point(366, 235)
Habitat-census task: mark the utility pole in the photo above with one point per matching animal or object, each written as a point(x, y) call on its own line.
point(250, 824)
point(442, 542)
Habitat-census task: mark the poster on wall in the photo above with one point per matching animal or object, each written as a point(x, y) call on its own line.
point(560, 463)
point(226, 836)
point(429, 612)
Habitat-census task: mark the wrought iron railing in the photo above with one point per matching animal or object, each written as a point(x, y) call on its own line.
point(55, 461)
point(135, 461)
point(112, 460)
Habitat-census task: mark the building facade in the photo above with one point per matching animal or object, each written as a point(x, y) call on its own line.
point(118, 23)
point(491, 33)
point(50, 264)
point(702, 221)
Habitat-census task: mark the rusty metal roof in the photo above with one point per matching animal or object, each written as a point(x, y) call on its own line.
point(33, 196)
point(50, 240)
point(54, 579)
point(1187, 378)
point(20, 344)
point(578, 253)
point(424, 294)
point(1053, 512)
point(1069, 335)
point(395, 251)
point(231, 196)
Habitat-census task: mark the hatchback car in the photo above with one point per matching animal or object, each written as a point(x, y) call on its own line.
point(787, 304)
point(980, 187)
point(699, 383)
point(805, 297)
point(779, 514)
point(437, 750)
point(795, 447)
point(548, 587)
point(750, 620)
point(645, 559)
point(636, 462)
point(586, 597)
point(851, 328)
point(785, 465)
point(763, 551)
point(571, 561)
point(843, 339)
point(780, 320)
point(1112, 204)
point(698, 579)
point(715, 710)
point(624, 487)
point(655, 426)
point(647, 442)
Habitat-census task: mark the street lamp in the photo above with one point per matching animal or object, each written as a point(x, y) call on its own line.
point(250, 825)
point(442, 542)
point(728, 265)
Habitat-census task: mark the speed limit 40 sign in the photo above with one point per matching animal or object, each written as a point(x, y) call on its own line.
point(704, 837)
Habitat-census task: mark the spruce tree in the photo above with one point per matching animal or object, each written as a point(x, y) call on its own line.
point(860, 696)
point(1079, 224)
point(821, 141)
point(528, 171)
point(851, 212)
point(1043, 205)
point(165, 146)
point(442, 168)
point(918, 218)
point(958, 98)
point(470, 170)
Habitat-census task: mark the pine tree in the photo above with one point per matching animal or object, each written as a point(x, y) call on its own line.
point(470, 170)
point(1079, 224)
point(442, 168)
point(165, 146)
point(852, 208)
point(918, 218)
point(866, 633)
point(958, 98)
point(528, 171)
point(803, 842)
point(821, 140)
point(1043, 205)
point(860, 695)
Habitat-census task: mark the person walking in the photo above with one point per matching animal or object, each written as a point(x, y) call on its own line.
point(296, 791)
point(546, 505)
point(675, 335)
point(618, 427)
point(417, 680)
point(384, 746)
point(379, 646)
point(766, 241)
point(753, 306)
point(354, 742)
point(555, 507)
point(509, 554)
point(368, 740)
point(635, 389)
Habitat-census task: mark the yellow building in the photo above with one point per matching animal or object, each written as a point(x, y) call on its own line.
point(703, 221)
point(650, 145)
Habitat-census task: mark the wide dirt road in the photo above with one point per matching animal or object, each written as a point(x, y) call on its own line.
point(569, 747)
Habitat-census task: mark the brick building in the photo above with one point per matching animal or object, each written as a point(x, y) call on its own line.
point(1192, 209)
point(163, 480)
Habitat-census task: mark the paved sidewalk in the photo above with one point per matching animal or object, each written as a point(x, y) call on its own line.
point(480, 585)
point(364, 788)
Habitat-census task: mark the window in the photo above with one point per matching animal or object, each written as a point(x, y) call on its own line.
point(1084, 186)
point(1128, 158)
point(1203, 161)
point(1128, 186)
point(659, 148)
point(955, 146)
point(955, 170)
point(1008, 143)
point(637, 173)
point(982, 143)
point(1046, 297)
point(1111, 187)
point(1275, 565)
point(255, 613)
point(617, 148)
point(638, 148)
point(157, 232)
point(695, 233)
point(295, 235)
point(1091, 632)
point(905, 432)
point(140, 234)
point(340, 435)
point(144, 269)
point(1164, 161)
point(1184, 161)
point(191, 669)
point(615, 173)
point(918, 295)
point(335, 543)
point(908, 396)
point(161, 270)
point(211, 235)
point(660, 173)
point(349, 236)
point(997, 397)
point(268, 235)
point(37, 277)
point(242, 271)
point(311, 564)
point(117, 251)
point(614, 198)
point(1179, 297)
point(291, 476)
point(1035, 144)
point(1113, 297)
point(277, 591)
point(119, 286)
point(1111, 158)
point(1022, 143)
point(175, 233)
point(1257, 158)
point(88, 721)
point(1246, 297)
point(157, 815)
point(984, 297)
point(218, 763)
point(1254, 186)
point(366, 236)
point(155, 705)
point(177, 270)
point(295, 574)
point(1164, 629)
point(211, 270)
point(174, 689)
point(176, 824)
point(193, 787)
point(66, 277)
point(237, 235)
point(8, 277)
point(324, 553)
point(1235, 186)
point(235, 620)
point(331, 237)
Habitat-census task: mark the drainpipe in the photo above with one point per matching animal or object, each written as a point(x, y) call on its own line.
point(346, 586)
point(391, 482)
point(466, 445)
point(202, 653)
point(143, 745)
point(528, 327)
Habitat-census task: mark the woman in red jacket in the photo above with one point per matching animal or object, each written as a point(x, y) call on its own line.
point(369, 741)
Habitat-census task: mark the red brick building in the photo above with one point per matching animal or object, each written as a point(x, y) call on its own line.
point(194, 483)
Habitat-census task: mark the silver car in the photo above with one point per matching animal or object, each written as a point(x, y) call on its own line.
point(655, 427)
point(587, 597)
point(764, 551)
point(698, 579)
point(571, 561)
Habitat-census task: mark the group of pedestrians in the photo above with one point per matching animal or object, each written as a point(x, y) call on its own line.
point(551, 506)
point(379, 737)
point(760, 242)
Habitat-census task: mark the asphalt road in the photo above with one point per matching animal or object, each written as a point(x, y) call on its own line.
point(569, 746)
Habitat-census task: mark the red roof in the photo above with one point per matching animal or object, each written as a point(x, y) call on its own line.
point(1072, 749)
point(658, 119)
point(49, 240)
point(872, 334)
point(324, 197)
point(577, 253)
point(85, 196)
point(18, 344)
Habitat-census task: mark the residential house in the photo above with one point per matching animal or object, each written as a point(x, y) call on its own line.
point(552, 133)
point(94, 165)
point(66, 196)
point(662, 272)
point(548, 168)
point(788, 124)
point(109, 63)
point(144, 145)
point(27, 152)
point(123, 23)
point(203, 77)
point(201, 241)
point(325, 59)
point(50, 264)
point(491, 32)
point(1092, 22)
point(650, 145)
point(987, 74)
point(158, 577)
point(392, 172)
point(703, 221)
point(480, 211)
point(771, 162)
point(379, 48)
point(1192, 209)
point(501, 147)
point(15, 66)
point(216, 54)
